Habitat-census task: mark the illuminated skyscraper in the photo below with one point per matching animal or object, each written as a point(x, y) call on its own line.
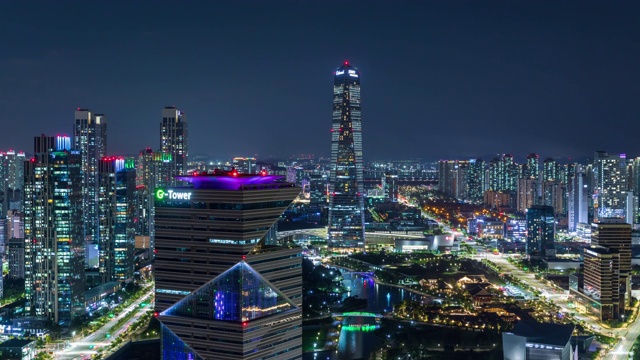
point(346, 200)
point(390, 187)
point(615, 234)
point(578, 199)
point(527, 193)
point(476, 180)
point(550, 170)
point(174, 141)
point(90, 138)
point(117, 187)
point(53, 231)
point(541, 225)
point(222, 292)
point(503, 177)
point(446, 176)
point(610, 185)
point(531, 169)
point(152, 171)
point(14, 176)
point(245, 165)
point(601, 282)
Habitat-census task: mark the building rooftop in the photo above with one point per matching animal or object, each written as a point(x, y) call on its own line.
point(104, 288)
point(610, 221)
point(598, 249)
point(232, 180)
point(15, 343)
point(544, 333)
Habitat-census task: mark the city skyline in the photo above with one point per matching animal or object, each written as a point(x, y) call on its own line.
point(571, 71)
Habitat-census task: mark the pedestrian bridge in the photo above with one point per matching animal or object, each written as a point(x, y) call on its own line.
point(357, 314)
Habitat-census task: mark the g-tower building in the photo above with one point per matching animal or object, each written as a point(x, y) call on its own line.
point(346, 196)
point(223, 291)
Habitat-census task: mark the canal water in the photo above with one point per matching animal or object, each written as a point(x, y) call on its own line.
point(358, 341)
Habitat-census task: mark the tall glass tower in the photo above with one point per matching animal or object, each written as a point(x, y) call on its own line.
point(53, 223)
point(346, 200)
point(174, 141)
point(90, 138)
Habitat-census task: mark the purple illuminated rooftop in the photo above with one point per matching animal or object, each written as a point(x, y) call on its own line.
point(233, 182)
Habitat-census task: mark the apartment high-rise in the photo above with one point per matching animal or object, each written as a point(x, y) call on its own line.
point(531, 168)
point(527, 193)
point(554, 193)
point(504, 174)
point(245, 165)
point(90, 138)
point(53, 230)
point(174, 141)
point(15, 258)
point(541, 231)
point(550, 170)
point(346, 193)
point(610, 185)
point(446, 176)
point(13, 179)
point(390, 187)
point(222, 291)
point(476, 180)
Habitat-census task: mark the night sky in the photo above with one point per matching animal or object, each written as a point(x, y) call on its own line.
point(440, 79)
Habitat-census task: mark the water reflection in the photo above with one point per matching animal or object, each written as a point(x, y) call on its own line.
point(356, 336)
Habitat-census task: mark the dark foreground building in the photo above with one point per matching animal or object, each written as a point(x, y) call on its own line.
point(530, 340)
point(224, 288)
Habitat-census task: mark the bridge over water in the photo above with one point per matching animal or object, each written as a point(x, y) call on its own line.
point(357, 314)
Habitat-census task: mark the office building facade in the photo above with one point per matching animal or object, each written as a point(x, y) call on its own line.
point(578, 199)
point(346, 192)
point(601, 280)
point(117, 203)
point(615, 234)
point(222, 292)
point(540, 231)
point(53, 230)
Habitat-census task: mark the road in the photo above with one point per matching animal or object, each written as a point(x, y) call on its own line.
point(87, 346)
point(626, 336)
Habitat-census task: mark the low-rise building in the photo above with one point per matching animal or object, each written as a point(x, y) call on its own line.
point(18, 349)
point(534, 340)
